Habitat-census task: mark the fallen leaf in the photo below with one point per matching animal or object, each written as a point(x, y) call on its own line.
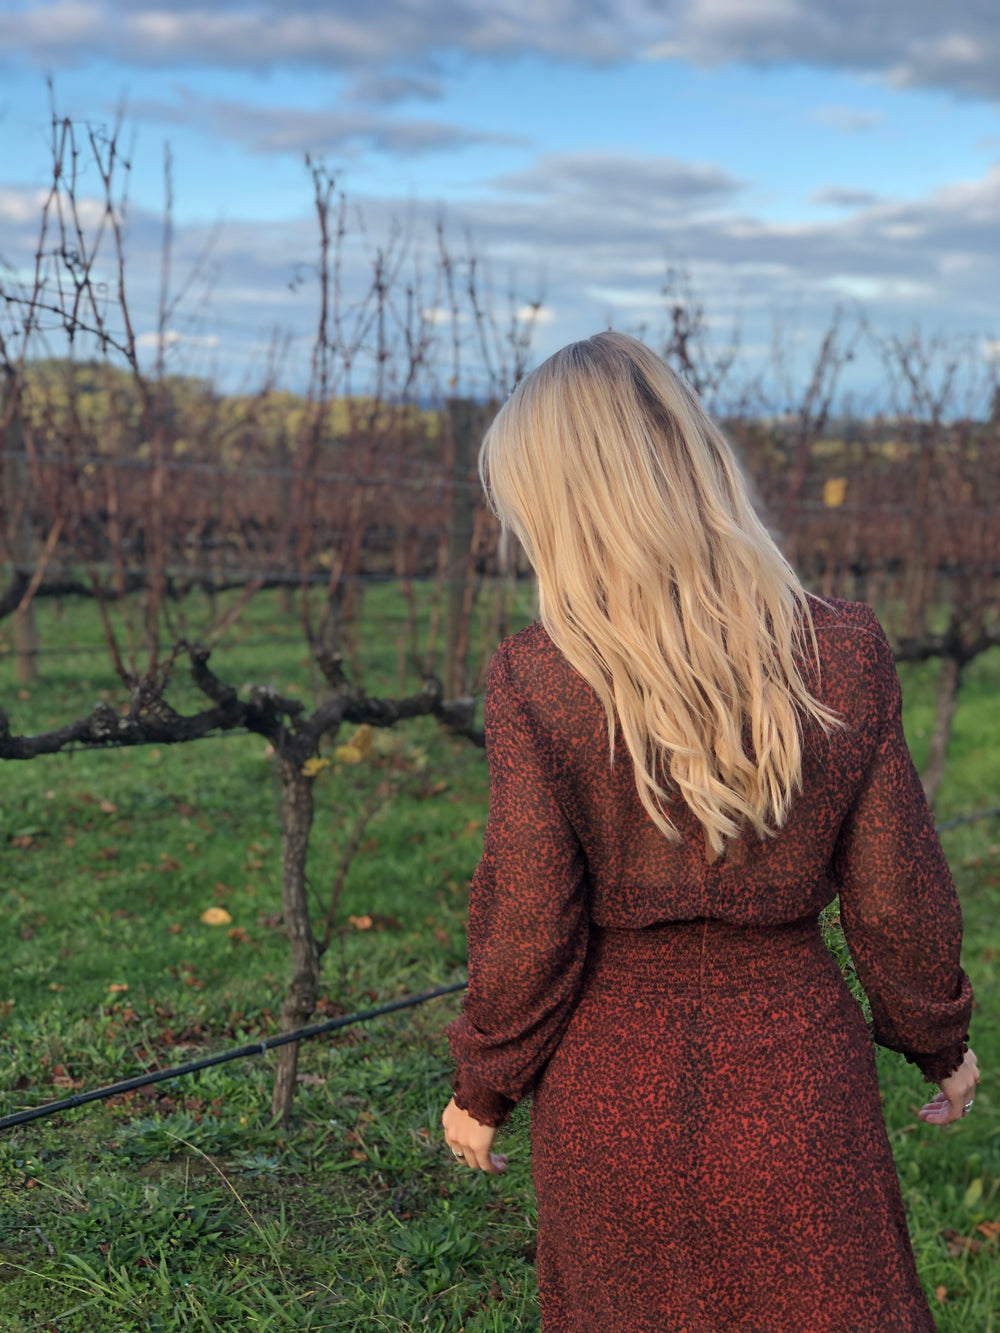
point(313, 766)
point(215, 916)
point(175, 928)
point(989, 1229)
point(361, 922)
point(54, 985)
point(108, 807)
point(65, 1081)
point(313, 1079)
point(941, 1294)
point(239, 936)
point(25, 840)
point(117, 987)
point(957, 1244)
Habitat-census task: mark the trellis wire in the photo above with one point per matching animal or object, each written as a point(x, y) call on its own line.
point(453, 478)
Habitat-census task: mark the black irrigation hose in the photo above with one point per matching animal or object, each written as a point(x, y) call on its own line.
point(238, 1053)
point(967, 819)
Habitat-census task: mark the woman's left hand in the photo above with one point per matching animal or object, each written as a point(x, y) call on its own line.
point(470, 1141)
point(958, 1092)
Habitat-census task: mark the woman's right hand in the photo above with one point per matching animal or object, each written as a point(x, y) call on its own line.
point(958, 1090)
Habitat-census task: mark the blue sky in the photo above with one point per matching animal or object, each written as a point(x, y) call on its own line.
point(790, 154)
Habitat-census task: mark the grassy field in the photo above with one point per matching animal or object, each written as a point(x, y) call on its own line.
point(180, 1207)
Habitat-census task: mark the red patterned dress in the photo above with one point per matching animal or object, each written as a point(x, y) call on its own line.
point(708, 1146)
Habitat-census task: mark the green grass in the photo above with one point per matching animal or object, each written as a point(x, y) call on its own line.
point(180, 1207)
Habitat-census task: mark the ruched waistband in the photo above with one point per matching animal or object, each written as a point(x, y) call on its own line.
point(690, 957)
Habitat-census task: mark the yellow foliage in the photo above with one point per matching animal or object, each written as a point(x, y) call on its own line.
point(360, 747)
point(313, 766)
point(834, 491)
point(363, 740)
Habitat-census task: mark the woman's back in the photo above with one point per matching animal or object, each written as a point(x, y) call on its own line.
point(859, 827)
point(636, 876)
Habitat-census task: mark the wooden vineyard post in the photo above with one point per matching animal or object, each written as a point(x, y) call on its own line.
point(21, 541)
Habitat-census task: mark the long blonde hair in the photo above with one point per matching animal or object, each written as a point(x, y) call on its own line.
point(658, 582)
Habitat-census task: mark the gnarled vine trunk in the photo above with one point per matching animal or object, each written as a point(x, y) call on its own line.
point(300, 1000)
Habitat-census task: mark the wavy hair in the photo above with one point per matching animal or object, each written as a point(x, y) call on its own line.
point(659, 583)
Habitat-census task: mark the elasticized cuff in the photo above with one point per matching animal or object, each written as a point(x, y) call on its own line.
point(483, 1104)
point(940, 1064)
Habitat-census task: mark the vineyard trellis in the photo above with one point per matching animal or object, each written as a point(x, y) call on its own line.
point(104, 491)
point(138, 488)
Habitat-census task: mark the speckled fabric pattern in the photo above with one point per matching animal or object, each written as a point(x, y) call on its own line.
point(707, 1140)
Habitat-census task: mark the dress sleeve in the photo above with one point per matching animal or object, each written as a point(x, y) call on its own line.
point(898, 904)
point(528, 918)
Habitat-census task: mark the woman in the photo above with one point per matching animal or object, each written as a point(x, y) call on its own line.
point(689, 758)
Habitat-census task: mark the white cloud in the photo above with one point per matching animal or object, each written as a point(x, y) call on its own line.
point(870, 290)
point(541, 314)
point(441, 316)
point(624, 178)
point(172, 338)
point(848, 119)
point(264, 129)
point(914, 42)
point(21, 206)
point(838, 196)
point(601, 230)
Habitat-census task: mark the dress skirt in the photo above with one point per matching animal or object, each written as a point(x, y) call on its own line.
point(708, 1146)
